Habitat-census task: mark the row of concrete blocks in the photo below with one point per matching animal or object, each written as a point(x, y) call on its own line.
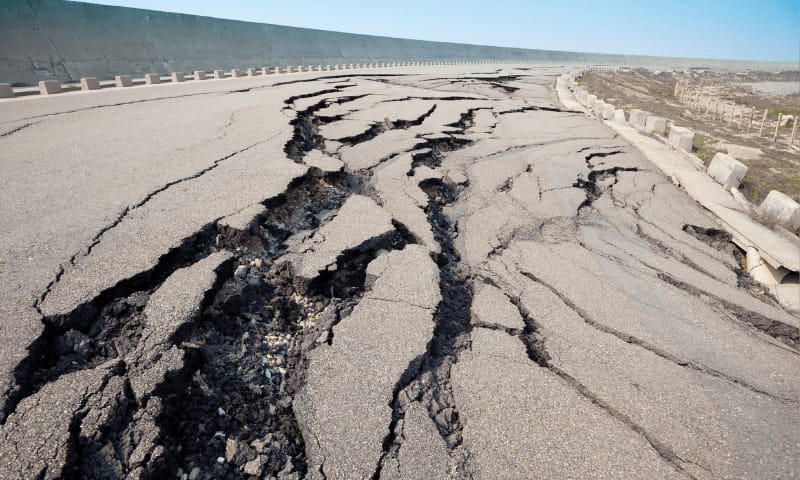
point(777, 208)
point(49, 87)
point(723, 168)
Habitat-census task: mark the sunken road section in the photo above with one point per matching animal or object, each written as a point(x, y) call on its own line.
point(372, 276)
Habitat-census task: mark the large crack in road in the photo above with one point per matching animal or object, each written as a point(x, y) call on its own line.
point(473, 283)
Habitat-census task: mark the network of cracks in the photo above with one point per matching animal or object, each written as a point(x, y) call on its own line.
point(224, 408)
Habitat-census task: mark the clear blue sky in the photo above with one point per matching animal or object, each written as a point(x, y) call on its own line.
point(727, 29)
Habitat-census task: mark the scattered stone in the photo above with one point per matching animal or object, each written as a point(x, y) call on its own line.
point(231, 449)
point(241, 271)
point(255, 466)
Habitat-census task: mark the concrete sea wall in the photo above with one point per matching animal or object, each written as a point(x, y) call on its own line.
point(56, 39)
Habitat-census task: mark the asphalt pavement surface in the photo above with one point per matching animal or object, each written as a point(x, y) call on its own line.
point(419, 272)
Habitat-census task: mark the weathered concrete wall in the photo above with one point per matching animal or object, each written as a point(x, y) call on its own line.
point(55, 39)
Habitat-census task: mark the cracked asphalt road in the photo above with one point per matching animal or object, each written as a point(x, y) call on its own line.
point(424, 274)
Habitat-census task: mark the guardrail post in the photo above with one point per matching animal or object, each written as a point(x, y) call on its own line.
point(6, 91)
point(49, 87)
point(90, 83)
point(123, 81)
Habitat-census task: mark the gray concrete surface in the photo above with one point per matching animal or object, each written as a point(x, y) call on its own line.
point(526, 301)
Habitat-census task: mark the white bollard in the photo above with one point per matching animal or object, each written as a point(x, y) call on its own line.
point(49, 87)
point(726, 170)
point(681, 138)
point(780, 208)
point(655, 124)
point(123, 81)
point(638, 118)
point(6, 91)
point(90, 83)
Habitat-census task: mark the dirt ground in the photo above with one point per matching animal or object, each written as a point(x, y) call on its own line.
point(771, 166)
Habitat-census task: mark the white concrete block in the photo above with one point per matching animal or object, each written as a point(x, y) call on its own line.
point(236, 73)
point(123, 81)
point(619, 116)
point(90, 83)
point(219, 74)
point(49, 87)
point(726, 170)
point(782, 208)
point(788, 295)
point(251, 72)
point(638, 119)
point(6, 91)
point(199, 75)
point(681, 138)
point(265, 71)
point(591, 101)
point(655, 124)
point(152, 79)
point(277, 70)
point(608, 112)
point(177, 77)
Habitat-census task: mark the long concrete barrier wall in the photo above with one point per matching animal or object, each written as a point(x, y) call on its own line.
point(56, 39)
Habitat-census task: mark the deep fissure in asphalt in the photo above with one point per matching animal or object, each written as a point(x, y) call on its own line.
point(427, 377)
point(103, 328)
point(384, 126)
point(256, 335)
